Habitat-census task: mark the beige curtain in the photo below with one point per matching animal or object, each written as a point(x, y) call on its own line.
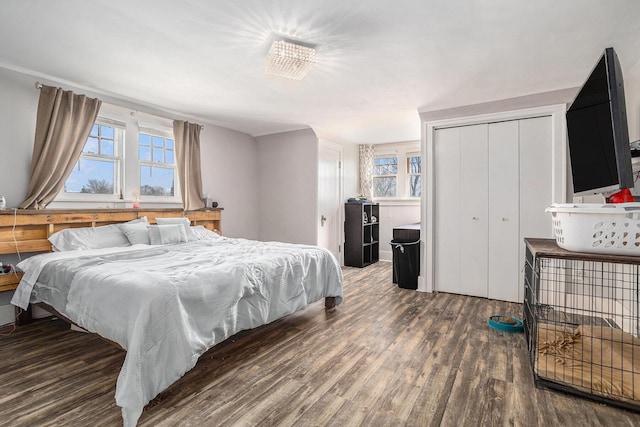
point(367, 153)
point(63, 124)
point(187, 137)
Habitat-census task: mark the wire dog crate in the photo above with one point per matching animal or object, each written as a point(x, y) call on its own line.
point(581, 321)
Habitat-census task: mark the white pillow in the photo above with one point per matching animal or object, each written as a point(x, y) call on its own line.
point(184, 221)
point(137, 233)
point(167, 233)
point(105, 236)
point(203, 233)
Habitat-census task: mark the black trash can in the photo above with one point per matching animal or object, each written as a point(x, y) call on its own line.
point(406, 262)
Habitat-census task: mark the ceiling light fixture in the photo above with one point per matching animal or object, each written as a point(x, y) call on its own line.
point(289, 59)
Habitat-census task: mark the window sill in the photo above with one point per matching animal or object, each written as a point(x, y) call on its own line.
point(71, 203)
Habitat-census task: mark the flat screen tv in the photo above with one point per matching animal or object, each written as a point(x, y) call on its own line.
point(598, 132)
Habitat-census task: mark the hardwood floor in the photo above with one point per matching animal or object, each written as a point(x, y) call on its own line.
point(385, 357)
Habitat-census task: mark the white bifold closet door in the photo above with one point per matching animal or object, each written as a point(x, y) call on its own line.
point(492, 184)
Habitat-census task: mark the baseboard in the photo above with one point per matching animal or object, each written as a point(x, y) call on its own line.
point(386, 255)
point(422, 284)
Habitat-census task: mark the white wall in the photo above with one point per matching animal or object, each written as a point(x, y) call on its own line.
point(393, 214)
point(18, 106)
point(229, 177)
point(351, 170)
point(287, 200)
point(632, 98)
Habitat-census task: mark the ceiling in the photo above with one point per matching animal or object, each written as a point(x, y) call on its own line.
point(378, 61)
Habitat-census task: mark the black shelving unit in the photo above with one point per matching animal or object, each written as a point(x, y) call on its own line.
point(361, 234)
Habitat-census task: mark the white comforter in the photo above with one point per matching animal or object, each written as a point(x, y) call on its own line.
point(167, 305)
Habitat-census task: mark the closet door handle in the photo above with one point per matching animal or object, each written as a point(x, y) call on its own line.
point(475, 218)
point(505, 219)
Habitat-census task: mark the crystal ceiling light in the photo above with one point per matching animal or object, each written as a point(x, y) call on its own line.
point(289, 59)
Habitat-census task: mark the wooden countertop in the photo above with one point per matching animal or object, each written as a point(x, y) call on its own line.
point(548, 248)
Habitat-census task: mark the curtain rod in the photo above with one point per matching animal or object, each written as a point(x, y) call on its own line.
point(39, 86)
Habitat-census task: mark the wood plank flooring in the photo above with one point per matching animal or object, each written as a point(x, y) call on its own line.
point(385, 357)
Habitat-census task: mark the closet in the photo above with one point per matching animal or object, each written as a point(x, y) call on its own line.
point(492, 183)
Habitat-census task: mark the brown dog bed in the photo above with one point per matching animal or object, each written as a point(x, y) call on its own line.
point(599, 360)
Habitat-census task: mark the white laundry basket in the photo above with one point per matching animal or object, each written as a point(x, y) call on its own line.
point(596, 228)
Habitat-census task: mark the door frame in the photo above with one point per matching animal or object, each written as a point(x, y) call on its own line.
point(322, 143)
point(557, 112)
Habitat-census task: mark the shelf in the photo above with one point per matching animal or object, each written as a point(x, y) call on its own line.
point(360, 249)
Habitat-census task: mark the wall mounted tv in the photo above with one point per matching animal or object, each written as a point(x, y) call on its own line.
point(598, 132)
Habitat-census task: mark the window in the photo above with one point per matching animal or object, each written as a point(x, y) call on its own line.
point(397, 173)
point(129, 156)
point(98, 169)
point(414, 170)
point(156, 154)
point(385, 175)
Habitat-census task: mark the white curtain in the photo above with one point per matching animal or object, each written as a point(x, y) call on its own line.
point(366, 170)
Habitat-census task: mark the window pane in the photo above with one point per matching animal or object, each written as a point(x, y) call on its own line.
point(158, 155)
point(144, 139)
point(384, 186)
point(91, 176)
point(144, 153)
point(415, 185)
point(157, 141)
point(156, 181)
point(385, 166)
point(91, 146)
point(169, 143)
point(106, 132)
point(94, 130)
point(106, 147)
point(414, 164)
point(169, 157)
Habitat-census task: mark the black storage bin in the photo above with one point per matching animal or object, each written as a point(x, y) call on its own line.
point(406, 262)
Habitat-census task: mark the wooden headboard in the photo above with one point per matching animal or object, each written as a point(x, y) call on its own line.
point(28, 230)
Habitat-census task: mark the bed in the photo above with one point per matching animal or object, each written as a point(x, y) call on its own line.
point(166, 304)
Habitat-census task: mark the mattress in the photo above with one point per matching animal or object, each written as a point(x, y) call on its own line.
point(166, 305)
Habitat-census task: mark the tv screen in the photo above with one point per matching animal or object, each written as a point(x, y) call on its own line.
point(598, 133)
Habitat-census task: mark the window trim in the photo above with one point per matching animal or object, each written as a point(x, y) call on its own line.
point(118, 158)
point(396, 175)
point(164, 133)
point(129, 173)
point(402, 151)
point(408, 156)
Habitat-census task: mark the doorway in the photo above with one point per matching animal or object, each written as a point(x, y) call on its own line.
point(330, 189)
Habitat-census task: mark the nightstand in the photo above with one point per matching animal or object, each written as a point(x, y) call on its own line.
point(8, 282)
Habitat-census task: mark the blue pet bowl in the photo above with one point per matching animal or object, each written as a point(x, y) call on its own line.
point(505, 323)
